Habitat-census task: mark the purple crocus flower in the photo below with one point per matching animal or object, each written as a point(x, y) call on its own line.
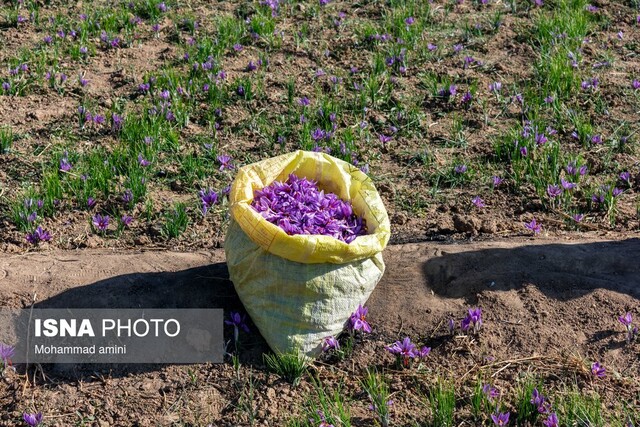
point(626, 319)
point(500, 419)
point(490, 392)
point(330, 343)
point(357, 320)
point(91, 202)
point(238, 322)
point(142, 161)
point(466, 98)
point(225, 162)
point(496, 181)
point(65, 166)
point(126, 220)
point(533, 226)
point(208, 199)
point(598, 370)
point(495, 87)
point(625, 176)
point(554, 190)
point(101, 222)
point(478, 202)
point(410, 20)
point(473, 318)
point(540, 138)
point(596, 139)
point(404, 350)
point(567, 185)
point(578, 217)
point(251, 66)
point(460, 169)
point(384, 139)
point(6, 353)
point(539, 401)
point(32, 419)
point(6, 86)
point(551, 421)
point(38, 235)
point(423, 352)
point(524, 151)
point(304, 101)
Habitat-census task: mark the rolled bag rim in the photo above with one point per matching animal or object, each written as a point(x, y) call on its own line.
point(347, 182)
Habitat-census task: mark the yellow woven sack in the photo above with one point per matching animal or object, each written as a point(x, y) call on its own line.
point(300, 289)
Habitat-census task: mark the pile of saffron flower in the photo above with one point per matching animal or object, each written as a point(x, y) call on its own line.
point(298, 206)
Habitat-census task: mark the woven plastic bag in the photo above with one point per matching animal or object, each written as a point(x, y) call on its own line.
point(300, 289)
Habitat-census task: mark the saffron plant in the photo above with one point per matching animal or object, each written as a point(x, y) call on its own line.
point(6, 353)
point(473, 321)
point(406, 351)
point(358, 322)
point(631, 331)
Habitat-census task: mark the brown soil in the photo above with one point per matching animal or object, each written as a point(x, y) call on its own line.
point(550, 307)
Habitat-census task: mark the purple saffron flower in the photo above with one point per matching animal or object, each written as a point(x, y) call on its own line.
point(410, 20)
point(478, 202)
point(578, 217)
point(554, 190)
point(598, 370)
point(38, 235)
point(500, 419)
point(540, 138)
point(496, 181)
point(451, 325)
point(237, 321)
point(596, 139)
point(551, 421)
point(101, 222)
point(524, 151)
point(625, 176)
point(65, 166)
point(6, 353)
point(635, 84)
point(91, 202)
point(626, 319)
point(225, 162)
point(48, 39)
point(466, 98)
point(32, 419)
point(423, 352)
point(208, 199)
point(583, 170)
point(162, 7)
point(617, 191)
point(357, 320)
point(384, 139)
point(304, 101)
point(126, 220)
point(539, 401)
point(460, 169)
point(533, 226)
point(404, 351)
point(495, 87)
point(567, 185)
point(490, 392)
point(473, 318)
point(142, 161)
point(251, 66)
point(330, 343)
point(6, 86)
